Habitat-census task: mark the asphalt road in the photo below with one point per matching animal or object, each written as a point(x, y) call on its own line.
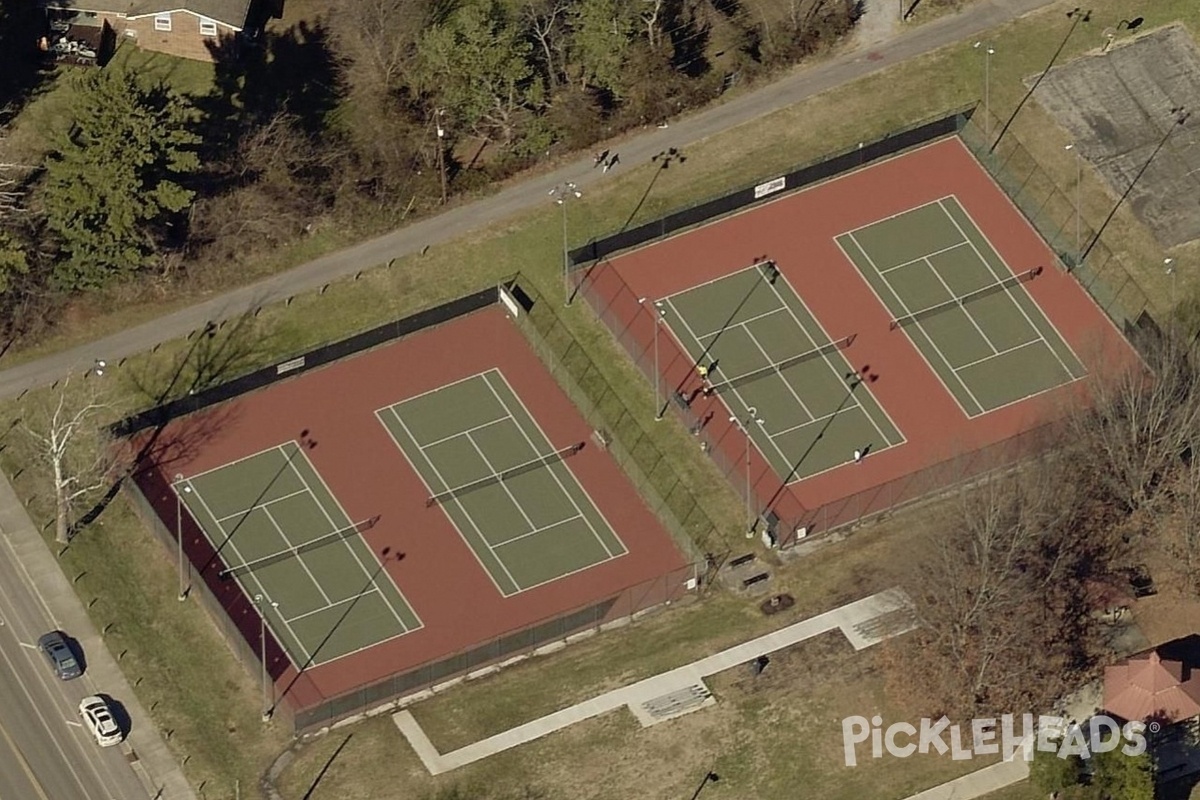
point(803, 83)
point(45, 754)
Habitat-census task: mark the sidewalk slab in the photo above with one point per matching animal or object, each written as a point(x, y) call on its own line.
point(845, 618)
point(157, 769)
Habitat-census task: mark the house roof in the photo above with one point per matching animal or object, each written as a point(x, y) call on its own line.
point(229, 12)
point(1148, 686)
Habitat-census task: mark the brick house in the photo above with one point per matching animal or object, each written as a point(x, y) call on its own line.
point(184, 28)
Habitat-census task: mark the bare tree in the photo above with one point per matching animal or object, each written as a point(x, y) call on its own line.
point(997, 587)
point(375, 41)
point(546, 20)
point(70, 439)
point(1139, 418)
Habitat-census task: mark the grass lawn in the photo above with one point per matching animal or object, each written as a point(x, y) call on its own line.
point(763, 737)
point(1018, 791)
point(766, 736)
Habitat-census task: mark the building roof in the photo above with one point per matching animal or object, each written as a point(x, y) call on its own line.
point(230, 12)
point(1150, 687)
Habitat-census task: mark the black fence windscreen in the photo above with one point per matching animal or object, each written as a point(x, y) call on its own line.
point(769, 189)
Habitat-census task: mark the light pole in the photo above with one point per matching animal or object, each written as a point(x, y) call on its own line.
point(988, 52)
point(1078, 197)
point(179, 534)
point(1168, 264)
point(268, 702)
point(1077, 15)
point(1179, 117)
point(660, 312)
point(561, 195)
point(744, 427)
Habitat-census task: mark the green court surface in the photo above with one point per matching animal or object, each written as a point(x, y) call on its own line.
point(285, 538)
point(967, 313)
point(509, 492)
point(777, 369)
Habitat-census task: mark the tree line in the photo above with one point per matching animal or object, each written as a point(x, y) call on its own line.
point(1011, 578)
point(372, 112)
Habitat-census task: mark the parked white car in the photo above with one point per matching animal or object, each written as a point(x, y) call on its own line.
point(99, 721)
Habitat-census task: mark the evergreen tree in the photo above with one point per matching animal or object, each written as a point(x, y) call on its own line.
point(113, 181)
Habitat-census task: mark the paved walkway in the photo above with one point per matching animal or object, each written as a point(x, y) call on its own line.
point(528, 193)
point(853, 619)
point(979, 783)
point(155, 766)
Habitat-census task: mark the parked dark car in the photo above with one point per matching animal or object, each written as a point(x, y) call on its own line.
point(60, 655)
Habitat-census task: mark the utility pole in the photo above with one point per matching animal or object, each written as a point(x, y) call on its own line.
point(1078, 199)
point(441, 151)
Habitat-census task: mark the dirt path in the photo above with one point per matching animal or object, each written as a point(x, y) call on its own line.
point(880, 21)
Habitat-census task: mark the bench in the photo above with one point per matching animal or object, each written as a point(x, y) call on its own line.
point(741, 561)
point(755, 579)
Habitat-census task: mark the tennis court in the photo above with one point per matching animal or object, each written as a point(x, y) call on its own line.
point(964, 309)
point(287, 541)
point(804, 404)
point(509, 491)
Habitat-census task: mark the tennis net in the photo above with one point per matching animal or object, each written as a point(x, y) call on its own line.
point(774, 369)
point(504, 475)
point(304, 547)
point(959, 302)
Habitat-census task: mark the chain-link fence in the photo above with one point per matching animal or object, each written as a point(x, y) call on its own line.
point(298, 699)
point(657, 476)
point(1056, 213)
point(622, 607)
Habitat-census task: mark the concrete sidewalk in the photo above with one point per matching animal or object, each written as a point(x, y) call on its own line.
point(979, 783)
point(854, 620)
point(144, 748)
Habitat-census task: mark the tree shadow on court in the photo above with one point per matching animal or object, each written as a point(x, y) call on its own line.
point(213, 356)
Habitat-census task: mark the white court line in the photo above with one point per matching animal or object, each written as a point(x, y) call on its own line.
point(785, 195)
point(925, 257)
point(542, 529)
point(288, 496)
point(1010, 295)
point(315, 611)
point(756, 265)
point(815, 420)
point(837, 373)
point(745, 406)
point(457, 501)
point(744, 322)
point(303, 564)
point(953, 295)
point(891, 217)
point(233, 463)
point(920, 351)
point(500, 481)
point(455, 435)
point(227, 539)
point(553, 472)
point(435, 390)
point(371, 574)
point(774, 365)
point(999, 353)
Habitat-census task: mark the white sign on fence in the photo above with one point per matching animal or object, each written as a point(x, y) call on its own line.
point(770, 187)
